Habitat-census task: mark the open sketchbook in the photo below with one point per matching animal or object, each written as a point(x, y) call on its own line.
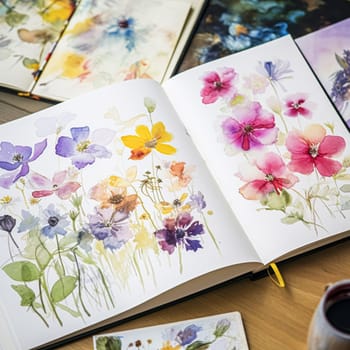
point(328, 52)
point(104, 42)
point(138, 194)
point(221, 332)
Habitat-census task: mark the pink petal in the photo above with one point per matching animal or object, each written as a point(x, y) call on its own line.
point(40, 180)
point(59, 177)
point(42, 193)
point(256, 189)
point(271, 163)
point(327, 167)
point(302, 164)
point(331, 145)
point(67, 189)
point(296, 144)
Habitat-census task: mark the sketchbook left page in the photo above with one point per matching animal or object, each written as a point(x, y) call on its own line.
point(28, 32)
point(110, 41)
point(221, 332)
point(105, 205)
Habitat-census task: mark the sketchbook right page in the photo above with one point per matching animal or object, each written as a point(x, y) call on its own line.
point(273, 141)
point(328, 52)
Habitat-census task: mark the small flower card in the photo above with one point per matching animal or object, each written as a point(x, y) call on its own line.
point(220, 332)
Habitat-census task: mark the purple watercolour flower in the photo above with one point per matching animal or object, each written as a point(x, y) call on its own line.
point(15, 160)
point(197, 201)
point(188, 335)
point(81, 148)
point(54, 222)
point(110, 226)
point(7, 224)
point(250, 127)
point(179, 231)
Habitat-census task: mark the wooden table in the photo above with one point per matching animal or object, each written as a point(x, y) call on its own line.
point(274, 318)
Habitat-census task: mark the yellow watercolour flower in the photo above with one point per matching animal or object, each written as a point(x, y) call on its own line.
point(167, 346)
point(74, 66)
point(5, 200)
point(143, 239)
point(146, 140)
point(57, 11)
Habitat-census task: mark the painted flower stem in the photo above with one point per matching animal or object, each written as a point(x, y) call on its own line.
point(80, 285)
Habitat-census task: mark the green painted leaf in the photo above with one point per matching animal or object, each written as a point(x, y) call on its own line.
point(341, 61)
point(277, 201)
point(13, 18)
point(30, 63)
point(198, 345)
point(42, 256)
point(345, 188)
point(62, 288)
point(108, 343)
point(27, 295)
point(22, 271)
point(289, 220)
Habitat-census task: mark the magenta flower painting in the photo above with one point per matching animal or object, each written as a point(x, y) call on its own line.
point(267, 174)
point(298, 105)
point(218, 84)
point(277, 143)
point(313, 149)
point(250, 127)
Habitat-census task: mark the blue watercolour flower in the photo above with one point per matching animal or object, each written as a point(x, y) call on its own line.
point(110, 226)
point(55, 223)
point(179, 231)
point(188, 335)
point(15, 160)
point(81, 149)
point(28, 222)
point(124, 28)
point(275, 71)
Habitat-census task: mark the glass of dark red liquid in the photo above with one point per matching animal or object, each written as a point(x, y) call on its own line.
point(330, 325)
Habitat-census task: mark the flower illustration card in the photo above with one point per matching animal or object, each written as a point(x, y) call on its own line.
point(105, 204)
point(220, 332)
point(274, 143)
point(114, 41)
point(28, 30)
point(328, 52)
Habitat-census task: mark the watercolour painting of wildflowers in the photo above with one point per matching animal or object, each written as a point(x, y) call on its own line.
point(102, 208)
point(223, 331)
point(282, 150)
point(28, 29)
point(113, 41)
point(328, 52)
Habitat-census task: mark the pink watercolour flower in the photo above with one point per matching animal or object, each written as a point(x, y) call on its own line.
point(298, 104)
point(314, 149)
point(218, 84)
point(267, 174)
point(59, 185)
point(250, 127)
